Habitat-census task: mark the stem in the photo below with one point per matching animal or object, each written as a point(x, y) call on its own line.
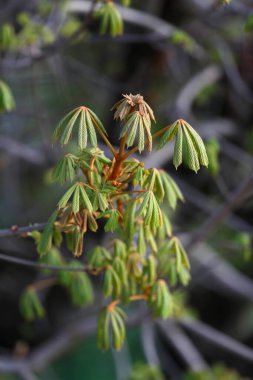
point(45, 283)
point(119, 159)
point(136, 297)
point(128, 192)
point(122, 145)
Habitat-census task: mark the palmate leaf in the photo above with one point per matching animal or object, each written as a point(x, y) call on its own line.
point(53, 257)
point(119, 249)
point(175, 247)
point(80, 287)
point(171, 189)
point(150, 237)
point(165, 230)
point(7, 102)
point(110, 19)
point(30, 305)
point(160, 299)
point(111, 328)
point(99, 257)
point(153, 181)
point(94, 157)
point(86, 121)
point(150, 269)
point(138, 127)
point(120, 268)
point(66, 169)
point(150, 210)
point(134, 264)
point(79, 198)
point(189, 147)
point(112, 285)
point(112, 222)
point(100, 201)
point(103, 332)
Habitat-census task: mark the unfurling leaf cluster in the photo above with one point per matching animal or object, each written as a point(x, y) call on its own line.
point(110, 18)
point(143, 259)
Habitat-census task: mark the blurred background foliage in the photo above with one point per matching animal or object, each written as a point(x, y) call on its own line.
point(190, 59)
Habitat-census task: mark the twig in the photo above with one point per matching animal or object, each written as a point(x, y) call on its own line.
point(206, 205)
point(148, 340)
point(23, 151)
point(215, 273)
point(36, 265)
point(220, 214)
point(140, 18)
point(62, 342)
point(193, 87)
point(216, 338)
point(183, 345)
point(16, 230)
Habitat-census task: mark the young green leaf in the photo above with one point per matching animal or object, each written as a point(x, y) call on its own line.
point(80, 287)
point(110, 19)
point(45, 242)
point(150, 210)
point(86, 121)
point(171, 190)
point(189, 147)
point(99, 257)
point(137, 127)
point(30, 305)
point(7, 102)
point(160, 299)
point(103, 333)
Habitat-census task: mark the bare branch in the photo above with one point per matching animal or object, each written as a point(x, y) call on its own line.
point(209, 75)
point(15, 230)
point(15, 148)
point(148, 340)
point(62, 342)
point(140, 18)
point(220, 214)
point(213, 272)
point(217, 339)
point(39, 266)
point(183, 345)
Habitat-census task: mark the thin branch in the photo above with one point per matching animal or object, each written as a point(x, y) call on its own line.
point(16, 230)
point(215, 273)
point(148, 343)
point(183, 345)
point(206, 205)
point(220, 214)
point(60, 343)
point(15, 148)
point(193, 87)
point(41, 266)
point(217, 339)
point(140, 18)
